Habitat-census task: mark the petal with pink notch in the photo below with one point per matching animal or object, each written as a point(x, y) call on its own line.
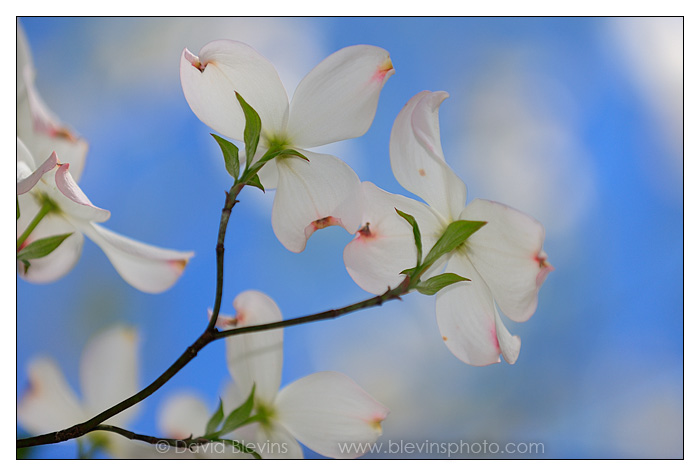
point(338, 99)
point(146, 267)
point(312, 195)
point(384, 245)
point(211, 79)
point(508, 254)
point(331, 414)
point(256, 358)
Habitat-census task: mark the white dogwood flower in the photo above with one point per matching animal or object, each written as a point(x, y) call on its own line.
point(337, 100)
point(326, 411)
point(108, 375)
point(50, 188)
point(504, 259)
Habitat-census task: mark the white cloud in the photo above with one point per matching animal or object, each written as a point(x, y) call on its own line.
point(521, 147)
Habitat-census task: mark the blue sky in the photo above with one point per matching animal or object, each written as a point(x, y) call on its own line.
point(577, 122)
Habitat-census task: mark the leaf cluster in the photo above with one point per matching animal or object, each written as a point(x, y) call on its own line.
point(454, 236)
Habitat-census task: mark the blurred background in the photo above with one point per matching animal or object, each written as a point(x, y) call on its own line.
point(577, 122)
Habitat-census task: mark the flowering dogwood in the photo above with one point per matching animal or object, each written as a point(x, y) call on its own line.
point(337, 100)
point(108, 375)
point(504, 259)
point(50, 188)
point(326, 411)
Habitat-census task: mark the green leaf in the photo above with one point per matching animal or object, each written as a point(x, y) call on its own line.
point(251, 134)
point(408, 271)
point(255, 182)
point(17, 208)
point(230, 152)
point(416, 234)
point(436, 283)
point(456, 233)
point(239, 415)
point(41, 248)
point(274, 153)
point(215, 419)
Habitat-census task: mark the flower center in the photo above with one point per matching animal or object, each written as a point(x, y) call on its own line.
point(265, 414)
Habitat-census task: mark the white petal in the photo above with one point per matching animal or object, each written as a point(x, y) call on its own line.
point(466, 316)
point(510, 344)
point(385, 245)
point(49, 404)
point(312, 195)
point(183, 415)
point(416, 156)
point(273, 442)
point(147, 268)
point(256, 357)
point(337, 100)
point(38, 127)
point(25, 159)
point(507, 252)
point(71, 199)
point(223, 68)
point(26, 184)
point(328, 410)
point(108, 372)
point(25, 64)
point(59, 262)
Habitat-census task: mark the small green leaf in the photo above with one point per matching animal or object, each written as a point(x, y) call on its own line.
point(41, 248)
point(215, 419)
point(255, 182)
point(17, 208)
point(272, 154)
point(26, 264)
point(239, 415)
point(456, 233)
point(416, 233)
point(408, 271)
point(230, 152)
point(436, 283)
point(251, 134)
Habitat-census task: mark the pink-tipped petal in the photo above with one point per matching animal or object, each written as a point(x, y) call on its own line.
point(337, 100)
point(147, 268)
point(384, 245)
point(211, 79)
point(417, 160)
point(71, 199)
point(256, 357)
point(466, 316)
point(38, 127)
point(507, 252)
point(331, 414)
point(310, 196)
point(108, 372)
point(25, 185)
point(49, 404)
